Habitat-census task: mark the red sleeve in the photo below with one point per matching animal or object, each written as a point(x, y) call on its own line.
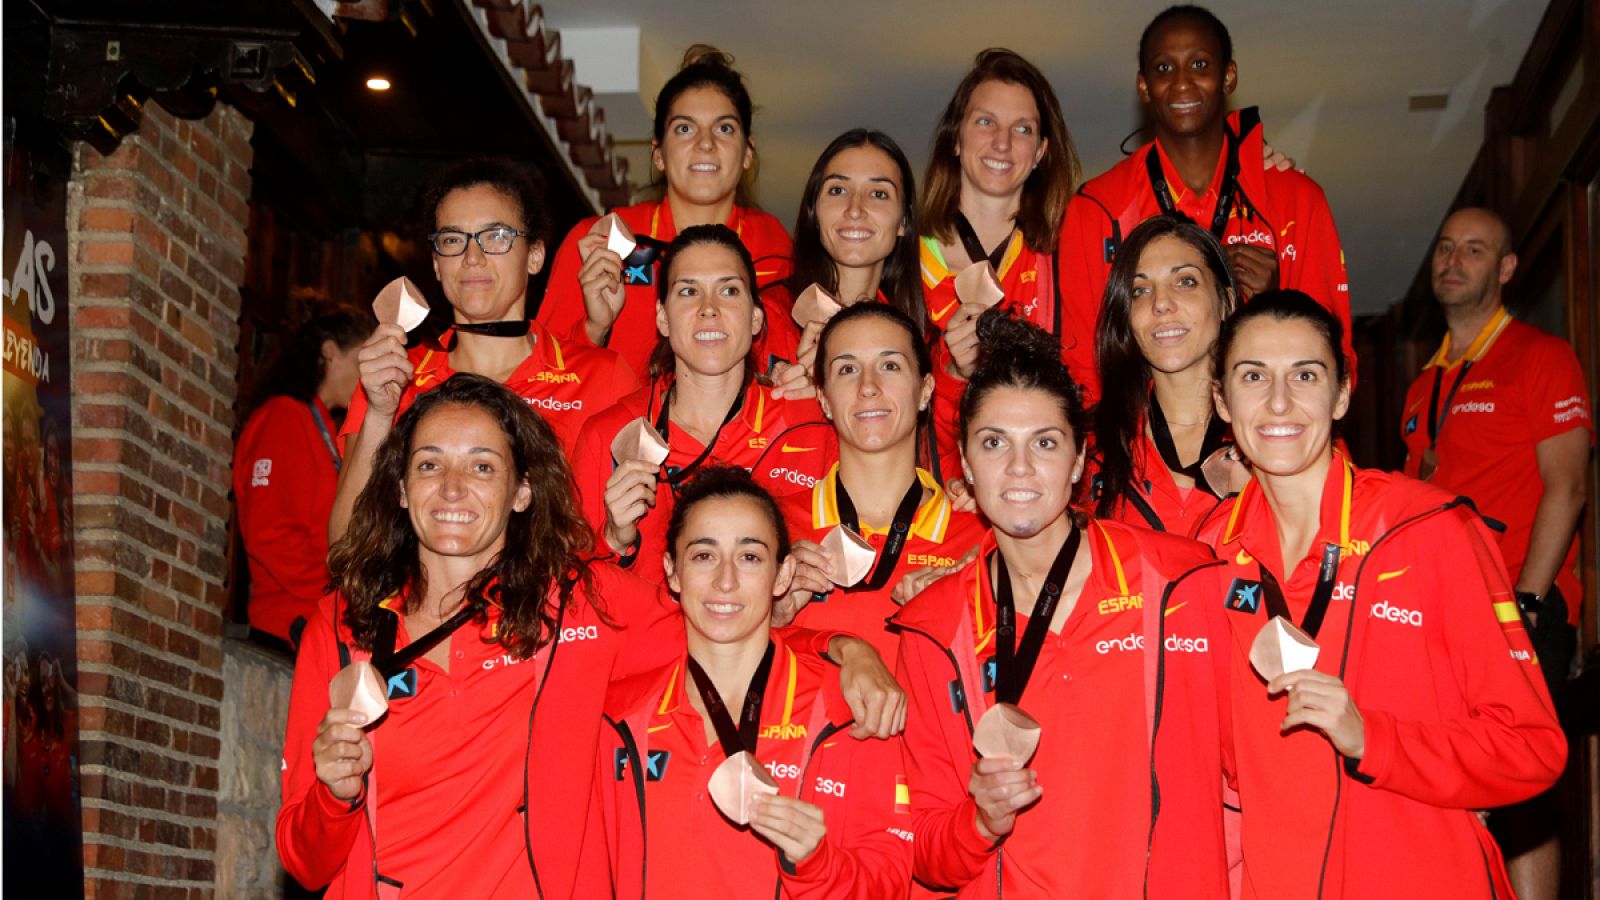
point(1311, 259)
point(562, 309)
point(946, 409)
point(354, 413)
point(316, 831)
point(948, 852)
point(651, 623)
point(1084, 271)
point(1558, 400)
point(1508, 746)
point(276, 519)
point(591, 467)
point(871, 858)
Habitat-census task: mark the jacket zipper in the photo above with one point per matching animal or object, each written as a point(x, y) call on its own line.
point(1344, 660)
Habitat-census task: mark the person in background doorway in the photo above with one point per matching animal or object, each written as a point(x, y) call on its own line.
point(286, 469)
point(1500, 415)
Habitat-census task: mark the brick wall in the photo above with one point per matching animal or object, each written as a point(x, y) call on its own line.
point(157, 233)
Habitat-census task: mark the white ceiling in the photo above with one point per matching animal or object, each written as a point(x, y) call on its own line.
point(1331, 78)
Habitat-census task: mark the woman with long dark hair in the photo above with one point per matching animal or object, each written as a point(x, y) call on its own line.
point(1412, 698)
point(465, 567)
point(702, 151)
point(855, 236)
point(286, 469)
point(874, 384)
point(741, 691)
point(1157, 438)
point(1091, 636)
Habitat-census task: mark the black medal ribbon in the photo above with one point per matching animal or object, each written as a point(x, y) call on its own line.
point(1161, 433)
point(1248, 119)
point(894, 544)
point(511, 328)
point(1014, 663)
point(1277, 606)
point(1436, 414)
point(974, 247)
point(742, 737)
point(389, 663)
point(677, 477)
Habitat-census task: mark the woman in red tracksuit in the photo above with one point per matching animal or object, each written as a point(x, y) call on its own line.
point(480, 564)
point(1362, 776)
point(483, 527)
point(838, 825)
point(701, 150)
point(1002, 169)
point(703, 399)
point(286, 469)
point(874, 385)
point(1100, 631)
point(1274, 223)
point(855, 237)
point(1155, 428)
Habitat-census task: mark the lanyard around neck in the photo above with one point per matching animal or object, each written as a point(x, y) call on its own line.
point(899, 532)
point(1014, 663)
point(742, 737)
point(974, 247)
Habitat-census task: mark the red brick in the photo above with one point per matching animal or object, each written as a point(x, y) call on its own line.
point(106, 253)
point(105, 218)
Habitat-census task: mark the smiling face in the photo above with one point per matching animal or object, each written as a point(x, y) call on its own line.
point(1183, 80)
point(705, 150)
point(861, 208)
point(999, 142)
point(1022, 460)
point(725, 569)
point(1176, 308)
point(481, 287)
point(1281, 393)
point(461, 486)
point(710, 313)
point(872, 390)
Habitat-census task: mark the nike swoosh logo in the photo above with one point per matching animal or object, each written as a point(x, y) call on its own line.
point(789, 448)
point(1385, 576)
point(1244, 559)
point(1173, 609)
point(939, 316)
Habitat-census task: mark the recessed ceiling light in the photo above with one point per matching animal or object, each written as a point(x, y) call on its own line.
point(1420, 101)
point(378, 84)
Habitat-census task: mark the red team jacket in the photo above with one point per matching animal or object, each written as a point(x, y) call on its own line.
point(1115, 820)
point(666, 838)
point(939, 536)
point(634, 333)
point(285, 473)
point(565, 382)
point(1425, 634)
point(785, 444)
point(1286, 211)
point(450, 759)
point(1523, 386)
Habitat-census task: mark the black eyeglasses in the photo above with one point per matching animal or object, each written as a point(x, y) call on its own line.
point(493, 241)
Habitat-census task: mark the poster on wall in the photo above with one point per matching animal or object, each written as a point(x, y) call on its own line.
point(38, 638)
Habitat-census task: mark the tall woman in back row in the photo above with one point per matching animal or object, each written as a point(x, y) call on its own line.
point(1002, 170)
point(1361, 775)
point(1100, 631)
